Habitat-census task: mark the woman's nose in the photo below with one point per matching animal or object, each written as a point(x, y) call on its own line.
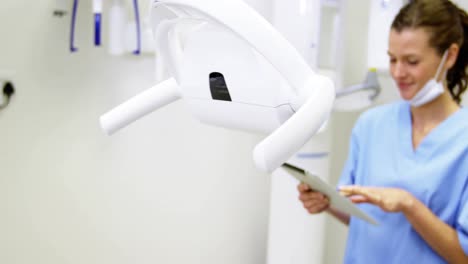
point(398, 71)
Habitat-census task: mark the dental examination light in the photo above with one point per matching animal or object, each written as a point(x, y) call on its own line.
point(234, 71)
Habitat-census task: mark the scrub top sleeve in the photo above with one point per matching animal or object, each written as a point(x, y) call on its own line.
point(349, 170)
point(462, 223)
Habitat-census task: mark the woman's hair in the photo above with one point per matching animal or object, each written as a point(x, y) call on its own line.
point(447, 24)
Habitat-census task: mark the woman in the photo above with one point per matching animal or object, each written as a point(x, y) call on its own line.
point(408, 161)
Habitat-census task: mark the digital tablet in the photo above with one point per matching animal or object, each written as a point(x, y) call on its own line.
point(337, 201)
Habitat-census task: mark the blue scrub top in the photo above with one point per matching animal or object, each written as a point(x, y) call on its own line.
point(381, 154)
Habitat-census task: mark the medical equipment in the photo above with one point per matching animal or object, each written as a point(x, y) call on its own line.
point(234, 71)
point(370, 84)
point(138, 29)
point(73, 48)
point(117, 22)
point(97, 11)
point(359, 96)
point(97, 14)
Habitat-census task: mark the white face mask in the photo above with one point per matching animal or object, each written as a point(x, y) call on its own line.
point(432, 89)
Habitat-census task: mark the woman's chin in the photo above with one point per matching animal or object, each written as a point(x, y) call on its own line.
point(406, 95)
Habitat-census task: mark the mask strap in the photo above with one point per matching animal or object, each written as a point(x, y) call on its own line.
point(442, 62)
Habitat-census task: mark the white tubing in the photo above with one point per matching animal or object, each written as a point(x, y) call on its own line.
point(286, 140)
point(97, 6)
point(142, 104)
point(117, 22)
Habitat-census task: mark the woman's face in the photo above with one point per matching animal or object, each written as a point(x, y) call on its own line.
point(412, 61)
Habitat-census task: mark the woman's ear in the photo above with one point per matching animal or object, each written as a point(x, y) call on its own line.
point(452, 55)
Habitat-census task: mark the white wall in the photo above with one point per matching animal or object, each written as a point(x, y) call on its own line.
point(165, 190)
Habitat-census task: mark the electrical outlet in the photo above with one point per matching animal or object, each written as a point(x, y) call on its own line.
point(5, 76)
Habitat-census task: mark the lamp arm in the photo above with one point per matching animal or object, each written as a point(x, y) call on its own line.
point(279, 146)
point(142, 104)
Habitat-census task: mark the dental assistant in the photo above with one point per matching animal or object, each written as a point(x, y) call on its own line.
point(408, 161)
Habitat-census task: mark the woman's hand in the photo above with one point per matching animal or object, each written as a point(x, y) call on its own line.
point(314, 202)
point(388, 199)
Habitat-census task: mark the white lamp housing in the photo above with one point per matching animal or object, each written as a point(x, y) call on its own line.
point(234, 70)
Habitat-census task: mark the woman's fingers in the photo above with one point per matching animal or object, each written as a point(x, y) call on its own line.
point(359, 199)
point(302, 187)
point(363, 194)
point(348, 190)
point(314, 202)
point(311, 195)
point(316, 207)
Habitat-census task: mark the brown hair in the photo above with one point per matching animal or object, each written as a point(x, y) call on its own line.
point(447, 24)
